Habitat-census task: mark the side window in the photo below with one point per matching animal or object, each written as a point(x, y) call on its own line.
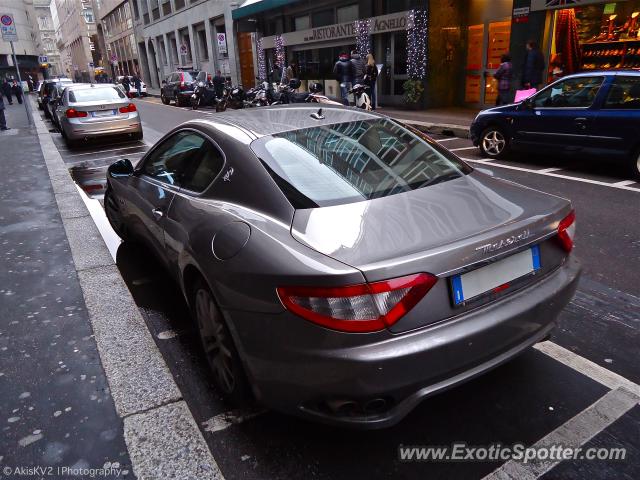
point(624, 94)
point(171, 158)
point(202, 169)
point(577, 92)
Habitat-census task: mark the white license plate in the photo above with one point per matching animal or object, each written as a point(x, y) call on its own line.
point(103, 113)
point(495, 276)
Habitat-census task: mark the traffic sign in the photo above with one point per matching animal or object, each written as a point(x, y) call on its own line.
point(43, 59)
point(8, 27)
point(90, 64)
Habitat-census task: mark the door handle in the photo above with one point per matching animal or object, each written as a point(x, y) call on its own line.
point(157, 213)
point(581, 122)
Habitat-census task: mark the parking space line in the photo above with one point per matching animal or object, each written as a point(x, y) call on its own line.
point(448, 139)
point(233, 417)
point(547, 170)
point(462, 148)
point(586, 367)
point(572, 434)
point(552, 174)
point(625, 182)
point(108, 150)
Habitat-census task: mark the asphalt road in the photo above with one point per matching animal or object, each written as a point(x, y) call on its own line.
point(519, 402)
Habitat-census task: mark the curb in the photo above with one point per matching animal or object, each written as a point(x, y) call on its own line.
point(161, 435)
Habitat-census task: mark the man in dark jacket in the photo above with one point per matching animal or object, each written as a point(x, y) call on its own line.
point(126, 84)
point(276, 73)
point(16, 88)
point(3, 121)
point(343, 71)
point(358, 67)
point(6, 91)
point(533, 66)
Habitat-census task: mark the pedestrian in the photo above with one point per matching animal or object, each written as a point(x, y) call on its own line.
point(503, 75)
point(126, 84)
point(533, 66)
point(290, 73)
point(3, 121)
point(138, 84)
point(218, 83)
point(276, 73)
point(358, 70)
point(343, 71)
point(6, 90)
point(16, 88)
point(370, 77)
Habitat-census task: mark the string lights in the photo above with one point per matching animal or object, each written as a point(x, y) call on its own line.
point(262, 66)
point(417, 44)
point(279, 47)
point(363, 36)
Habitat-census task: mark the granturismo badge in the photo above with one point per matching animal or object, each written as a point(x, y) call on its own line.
point(505, 242)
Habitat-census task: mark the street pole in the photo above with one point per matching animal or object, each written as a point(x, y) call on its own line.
point(26, 99)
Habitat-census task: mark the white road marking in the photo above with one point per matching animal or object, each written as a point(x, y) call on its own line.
point(586, 367)
point(448, 139)
point(233, 417)
point(122, 155)
point(625, 182)
point(547, 170)
point(107, 150)
point(551, 174)
point(572, 434)
point(462, 148)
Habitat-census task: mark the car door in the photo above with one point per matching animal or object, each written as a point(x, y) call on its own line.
point(560, 118)
point(618, 119)
point(155, 184)
point(191, 222)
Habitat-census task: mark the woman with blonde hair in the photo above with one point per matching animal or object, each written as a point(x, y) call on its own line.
point(370, 77)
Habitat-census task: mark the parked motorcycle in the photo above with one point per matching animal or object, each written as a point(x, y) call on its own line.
point(232, 97)
point(289, 94)
point(204, 95)
point(363, 100)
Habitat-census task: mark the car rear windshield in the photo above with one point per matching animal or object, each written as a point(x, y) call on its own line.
point(96, 95)
point(354, 161)
point(189, 76)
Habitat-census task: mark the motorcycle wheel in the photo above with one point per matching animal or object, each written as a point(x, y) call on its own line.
point(195, 103)
point(221, 106)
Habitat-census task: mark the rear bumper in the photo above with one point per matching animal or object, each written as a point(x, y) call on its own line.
point(77, 131)
point(294, 376)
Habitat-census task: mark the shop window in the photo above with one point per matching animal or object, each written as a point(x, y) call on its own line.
point(571, 93)
point(301, 23)
point(348, 13)
point(624, 94)
point(322, 18)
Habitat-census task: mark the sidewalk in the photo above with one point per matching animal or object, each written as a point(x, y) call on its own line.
point(56, 403)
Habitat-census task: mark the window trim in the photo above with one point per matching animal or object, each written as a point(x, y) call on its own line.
point(562, 80)
point(177, 188)
point(612, 83)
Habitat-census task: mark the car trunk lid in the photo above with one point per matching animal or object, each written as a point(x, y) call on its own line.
point(444, 229)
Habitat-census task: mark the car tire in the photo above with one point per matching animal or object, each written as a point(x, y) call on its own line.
point(195, 103)
point(137, 136)
point(164, 99)
point(634, 166)
point(494, 143)
point(219, 349)
point(114, 216)
point(68, 142)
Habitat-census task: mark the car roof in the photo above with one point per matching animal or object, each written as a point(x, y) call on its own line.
point(259, 122)
point(606, 73)
point(83, 86)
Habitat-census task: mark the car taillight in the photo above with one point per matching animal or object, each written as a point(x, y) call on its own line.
point(366, 307)
point(127, 108)
point(183, 86)
point(567, 230)
point(73, 113)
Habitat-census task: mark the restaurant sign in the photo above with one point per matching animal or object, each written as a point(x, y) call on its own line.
point(556, 4)
point(381, 24)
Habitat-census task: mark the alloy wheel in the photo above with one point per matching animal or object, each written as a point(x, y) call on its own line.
point(215, 340)
point(493, 142)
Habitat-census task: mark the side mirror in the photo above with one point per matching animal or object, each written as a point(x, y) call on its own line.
point(121, 168)
point(527, 104)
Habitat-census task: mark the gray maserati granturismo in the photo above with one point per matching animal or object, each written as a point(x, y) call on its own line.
point(340, 265)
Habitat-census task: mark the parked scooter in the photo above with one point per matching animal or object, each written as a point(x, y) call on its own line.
point(363, 100)
point(232, 97)
point(288, 94)
point(204, 95)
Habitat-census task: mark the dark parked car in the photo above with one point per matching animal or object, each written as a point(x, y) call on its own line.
point(340, 265)
point(179, 86)
point(44, 93)
point(595, 114)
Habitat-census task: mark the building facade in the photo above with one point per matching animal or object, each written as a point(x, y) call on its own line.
point(119, 49)
point(79, 38)
point(45, 37)
point(174, 34)
point(25, 48)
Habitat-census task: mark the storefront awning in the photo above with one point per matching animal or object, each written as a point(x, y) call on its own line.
point(257, 6)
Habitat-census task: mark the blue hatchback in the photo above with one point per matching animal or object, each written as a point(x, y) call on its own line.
point(595, 114)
